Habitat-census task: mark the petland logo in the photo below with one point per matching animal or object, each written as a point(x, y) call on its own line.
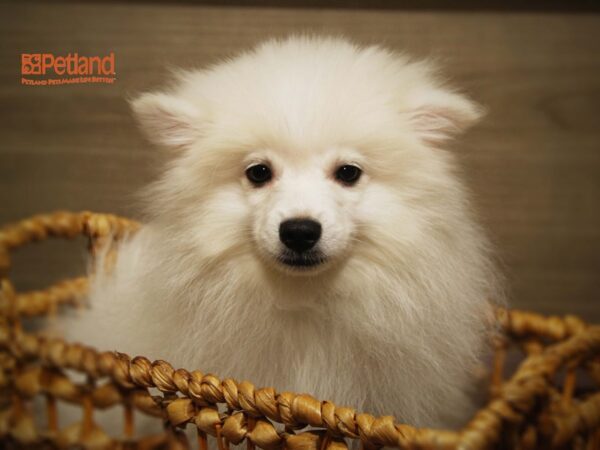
point(46, 69)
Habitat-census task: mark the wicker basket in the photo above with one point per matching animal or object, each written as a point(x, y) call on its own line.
point(543, 404)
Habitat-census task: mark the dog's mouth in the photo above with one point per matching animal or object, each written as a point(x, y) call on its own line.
point(301, 261)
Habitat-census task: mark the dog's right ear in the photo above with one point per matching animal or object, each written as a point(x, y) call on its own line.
point(166, 119)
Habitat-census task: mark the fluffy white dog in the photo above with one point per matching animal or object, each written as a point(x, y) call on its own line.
point(308, 234)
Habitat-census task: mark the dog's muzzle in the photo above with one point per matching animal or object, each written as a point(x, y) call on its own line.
point(300, 236)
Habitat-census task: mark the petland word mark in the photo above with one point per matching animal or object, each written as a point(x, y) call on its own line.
point(73, 68)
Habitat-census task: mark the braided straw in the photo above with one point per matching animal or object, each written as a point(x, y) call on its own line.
point(534, 408)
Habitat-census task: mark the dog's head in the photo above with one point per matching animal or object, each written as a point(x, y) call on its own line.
point(306, 153)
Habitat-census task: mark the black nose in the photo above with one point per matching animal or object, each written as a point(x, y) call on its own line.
point(299, 234)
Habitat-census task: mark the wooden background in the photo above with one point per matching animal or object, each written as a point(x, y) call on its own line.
point(533, 164)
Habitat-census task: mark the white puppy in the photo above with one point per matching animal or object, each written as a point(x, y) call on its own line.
point(308, 234)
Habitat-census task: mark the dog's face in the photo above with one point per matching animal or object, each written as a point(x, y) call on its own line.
point(300, 170)
point(305, 209)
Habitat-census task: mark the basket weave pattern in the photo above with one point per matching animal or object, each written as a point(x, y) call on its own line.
point(541, 404)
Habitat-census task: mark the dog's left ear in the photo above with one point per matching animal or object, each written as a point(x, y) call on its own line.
point(437, 114)
point(167, 119)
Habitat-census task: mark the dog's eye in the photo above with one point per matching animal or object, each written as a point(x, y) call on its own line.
point(259, 174)
point(348, 174)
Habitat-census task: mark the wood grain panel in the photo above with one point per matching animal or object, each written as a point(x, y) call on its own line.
point(533, 164)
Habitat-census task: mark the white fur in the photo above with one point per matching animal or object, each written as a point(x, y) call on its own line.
point(397, 318)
